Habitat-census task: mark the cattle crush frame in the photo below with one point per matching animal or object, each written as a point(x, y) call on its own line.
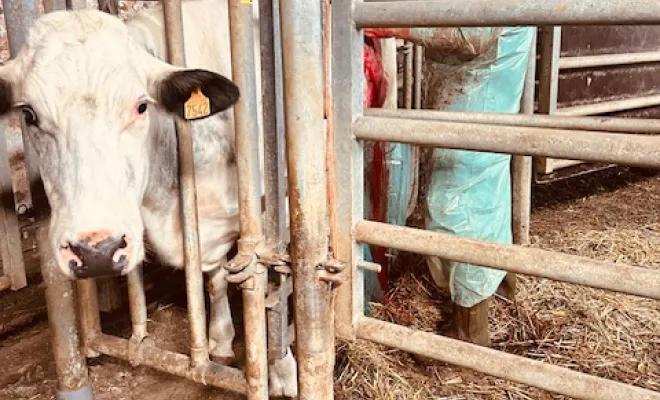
point(315, 272)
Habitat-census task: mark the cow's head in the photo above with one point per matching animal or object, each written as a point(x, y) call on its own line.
point(88, 93)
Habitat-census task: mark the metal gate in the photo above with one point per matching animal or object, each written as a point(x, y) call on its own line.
point(585, 138)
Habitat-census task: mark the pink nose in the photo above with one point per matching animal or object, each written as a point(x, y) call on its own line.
point(97, 254)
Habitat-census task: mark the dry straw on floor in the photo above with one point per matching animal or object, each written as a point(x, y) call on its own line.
point(602, 333)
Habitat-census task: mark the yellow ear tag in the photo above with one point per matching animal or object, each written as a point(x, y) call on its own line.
point(197, 106)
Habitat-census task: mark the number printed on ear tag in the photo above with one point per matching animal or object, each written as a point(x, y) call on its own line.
point(197, 106)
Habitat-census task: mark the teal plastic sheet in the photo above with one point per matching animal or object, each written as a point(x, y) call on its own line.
point(470, 192)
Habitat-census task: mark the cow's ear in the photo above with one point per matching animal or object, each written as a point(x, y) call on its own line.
point(195, 93)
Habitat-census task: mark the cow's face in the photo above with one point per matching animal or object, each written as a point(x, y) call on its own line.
point(89, 94)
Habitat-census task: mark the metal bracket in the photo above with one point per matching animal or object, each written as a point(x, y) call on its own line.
point(135, 345)
point(331, 271)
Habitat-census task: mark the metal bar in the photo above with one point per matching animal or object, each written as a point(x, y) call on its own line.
point(246, 117)
point(610, 106)
point(408, 82)
point(137, 303)
point(629, 149)
point(497, 363)
point(70, 363)
point(90, 320)
point(302, 46)
point(192, 258)
point(525, 260)
point(559, 164)
point(275, 184)
point(212, 373)
point(601, 124)
point(254, 320)
point(76, 4)
point(249, 192)
point(521, 166)
point(418, 59)
point(11, 251)
point(442, 13)
point(329, 121)
point(605, 60)
point(347, 85)
point(19, 18)
point(54, 5)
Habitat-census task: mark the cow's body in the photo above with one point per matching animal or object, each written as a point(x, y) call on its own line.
point(110, 168)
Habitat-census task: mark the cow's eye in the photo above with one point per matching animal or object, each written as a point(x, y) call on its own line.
point(29, 116)
point(142, 108)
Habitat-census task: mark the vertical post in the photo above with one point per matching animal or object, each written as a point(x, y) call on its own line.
point(90, 321)
point(137, 303)
point(249, 193)
point(70, 363)
point(548, 80)
point(418, 59)
point(271, 88)
point(408, 82)
point(347, 83)
point(11, 251)
point(194, 280)
point(521, 175)
point(301, 23)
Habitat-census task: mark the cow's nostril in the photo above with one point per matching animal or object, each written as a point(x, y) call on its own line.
point(98, 255)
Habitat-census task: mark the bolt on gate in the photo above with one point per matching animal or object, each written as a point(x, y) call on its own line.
point(583, 138)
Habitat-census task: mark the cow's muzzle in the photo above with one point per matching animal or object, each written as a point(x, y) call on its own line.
point(97, 254)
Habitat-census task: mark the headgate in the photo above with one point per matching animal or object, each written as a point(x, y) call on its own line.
point(584, 138)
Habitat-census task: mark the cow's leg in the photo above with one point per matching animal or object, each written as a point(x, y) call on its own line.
point(221, 327)
point(282, 377)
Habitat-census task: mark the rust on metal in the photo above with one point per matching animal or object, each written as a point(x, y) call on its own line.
point(213, 374)
point(524, 260)
point(192, 258)
point(629, 149)
point(90, 319)
point(254, 317)
point(497, 363)
point(137, 303)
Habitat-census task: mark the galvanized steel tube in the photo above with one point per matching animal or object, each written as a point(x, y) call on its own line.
point(246, 117)
point(441, 13)
point(137, 303)
point(604, 60)
point(173, 363)
point(271, 97)
point(249, 192)
point(521, 166)
point(70, 363)
point(502, 365)
point(192, 258)
point(408, 82)
point(601, 124)
point(629, 149)
point(611, 106)
point(529, 261)
point(11, 251)
point(418, 59)
point(306, 153)
point(90, 320)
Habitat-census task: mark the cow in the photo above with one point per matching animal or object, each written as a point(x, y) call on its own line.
point(99, 103)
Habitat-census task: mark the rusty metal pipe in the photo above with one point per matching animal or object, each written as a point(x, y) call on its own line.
point(212, 374)
point(521, 166)
point(408, 82)
point(450, 13)
point(192, 257)
point(302, 46)
point(90, 319)
point(347, 103)
point(271, 95)
point(497, 363)
point(11, 251)
point(418, 59)
point(629, 149)
point(137, 303)
point(70, 363)
point(529, 261)
point(610, 106)
point(247, 129)
point(605, 60)
point(601, 124)
point(256, 350)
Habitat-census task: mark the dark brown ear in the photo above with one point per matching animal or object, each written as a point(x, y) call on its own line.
point(176, 88)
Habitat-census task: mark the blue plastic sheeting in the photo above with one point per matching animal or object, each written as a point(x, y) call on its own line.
point(470, 192)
